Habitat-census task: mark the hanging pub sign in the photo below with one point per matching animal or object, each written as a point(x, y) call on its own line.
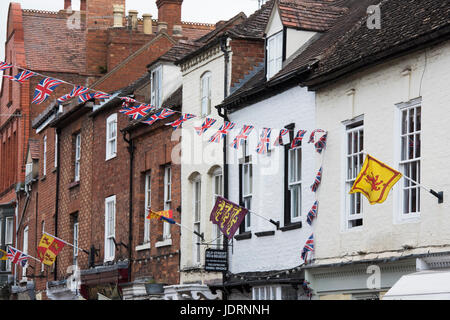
point(216, 260)
point(228, 216)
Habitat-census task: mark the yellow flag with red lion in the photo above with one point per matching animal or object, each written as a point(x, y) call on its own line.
point(375, 180)
point(48, 249)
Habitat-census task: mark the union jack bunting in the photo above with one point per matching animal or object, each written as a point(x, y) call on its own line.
point(205, 126)
point(264, 142)
point(178, 123)
point(76, 91)
point(321, 144)
point(279, 140)
point(86, 97)
point(297, 142)
point(17, 257)
point(313, 135)
point(44, 89)
point(163, 114)
point(127, 101)
point(317, 181)
point(21, 77)
point(223, 131)
point(243, 135)
point(101, 95)
point(309, 247)
point(4, 66)
point(137, 112)
point(312, 214)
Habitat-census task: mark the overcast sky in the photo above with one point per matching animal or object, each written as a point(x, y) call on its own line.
point(209, 11)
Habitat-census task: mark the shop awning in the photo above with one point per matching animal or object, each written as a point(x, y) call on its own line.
point(424, 285)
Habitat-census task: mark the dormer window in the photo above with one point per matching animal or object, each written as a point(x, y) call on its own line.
point(274, 54)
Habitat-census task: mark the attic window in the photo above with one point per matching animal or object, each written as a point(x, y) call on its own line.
point(274, 54)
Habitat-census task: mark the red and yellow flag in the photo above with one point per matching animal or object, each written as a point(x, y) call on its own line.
point(49, 248)
point(159, 215)
point(375, 180)
point(3, 255)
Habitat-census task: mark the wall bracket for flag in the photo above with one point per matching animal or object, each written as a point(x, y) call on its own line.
point(119, 244)
point(439, 195)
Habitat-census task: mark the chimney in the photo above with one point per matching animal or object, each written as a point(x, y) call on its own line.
point(83, 5)
point(169, 11)
point(67, 4)
point(118, 11)
point(133, 14)
point(148, 23)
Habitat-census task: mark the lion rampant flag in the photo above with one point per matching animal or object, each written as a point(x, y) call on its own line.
point(3, 255)
point(375, 180)
point(49, 248)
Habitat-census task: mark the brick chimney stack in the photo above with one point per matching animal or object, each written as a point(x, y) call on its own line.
point(169, 11)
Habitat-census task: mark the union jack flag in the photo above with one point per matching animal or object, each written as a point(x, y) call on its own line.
point(44, 89)
point(223, 131)
point(163, 114)
point(76, 91)
point(101, 95)
point(312, 214)
point(313, 135)
point(21, 77)
point(86, 97)
point(264, 142)
point(178, 123)
point(127, 101)
point(321, 144)
point(205, 126)
point(17, 257)
point(309, 247)
point(137, 112)
point(279, 140)
point(317, 181)
point(297, 142)
point(4, 66)
point(243, 135)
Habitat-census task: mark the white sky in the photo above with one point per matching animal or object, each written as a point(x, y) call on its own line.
point(209, 11)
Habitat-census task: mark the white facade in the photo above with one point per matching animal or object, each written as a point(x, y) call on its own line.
point(376, 96)
point(281, 250)
point(201, 160)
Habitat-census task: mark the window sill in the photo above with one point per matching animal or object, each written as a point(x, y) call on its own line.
point(292, 226)
point(265, 234)
point(55, 169)
point(145, 246)
point(243, 236)
point(43, 178)
point(165, 243)
point(74, 184)
point(111, 157)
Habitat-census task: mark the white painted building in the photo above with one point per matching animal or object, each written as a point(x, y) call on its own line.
point(396, 111)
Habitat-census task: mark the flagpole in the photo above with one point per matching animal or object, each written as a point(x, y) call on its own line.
point(85, 251)
point(276, 223)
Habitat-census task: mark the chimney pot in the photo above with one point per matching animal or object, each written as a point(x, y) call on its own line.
point(148, 23)
point(118, 11)
point(134, 19)
point(177, 30)
point(67, 4)
point(162, 25)
point(83, 5)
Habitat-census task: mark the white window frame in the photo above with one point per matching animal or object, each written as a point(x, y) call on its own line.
point(217, 180)
point(156, 87)
point(404, 184)
point(197, 216)
point(274, 54)
point(110, 223)
point(270, 292)
point(148, 204)
point(247, 192)
point(205, 93)
point(25, 250)
point(111, 137)
point(77, 157)
point(295, 182)
point(9, 234)
point(44, 170)
point(354, 128)
point(75, 241)
point(167, 199)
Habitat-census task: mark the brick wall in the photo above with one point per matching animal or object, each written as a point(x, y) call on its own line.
point(246, 55)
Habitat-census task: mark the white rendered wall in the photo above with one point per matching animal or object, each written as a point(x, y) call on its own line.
point(283, 250)
point(377, 91)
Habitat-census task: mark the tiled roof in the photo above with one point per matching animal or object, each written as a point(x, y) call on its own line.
point(255, 25)
point(182, 48)
point(313, 15)
point(50, 45)
point(405, 25)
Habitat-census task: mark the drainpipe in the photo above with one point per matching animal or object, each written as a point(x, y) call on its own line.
point(226, 54)
point(58, 151)
point(131, 148)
